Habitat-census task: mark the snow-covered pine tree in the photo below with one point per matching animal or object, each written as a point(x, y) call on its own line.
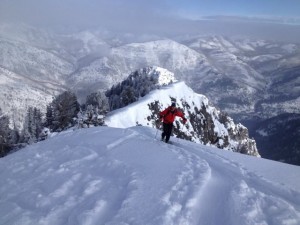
point(94, 110)
point(5, 134)
point(138, 84)
point(49, 116)
point(64, 109)
point(99, 100)
point(33, 125)
point(127, 96)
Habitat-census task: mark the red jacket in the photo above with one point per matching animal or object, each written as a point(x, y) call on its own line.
point(168, 115)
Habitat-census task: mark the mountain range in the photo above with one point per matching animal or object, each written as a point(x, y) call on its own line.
point(252, 80)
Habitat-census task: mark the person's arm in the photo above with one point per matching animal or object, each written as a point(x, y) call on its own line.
point(180, 114)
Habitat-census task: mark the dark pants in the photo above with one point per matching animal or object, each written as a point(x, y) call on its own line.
point(167, 130)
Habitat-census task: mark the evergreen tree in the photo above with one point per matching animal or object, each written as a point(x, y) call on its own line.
point(15, 135)
point(99, 100)
point(127, 96)
point(33, 125)
point(49, 116)
point(138, 84)
point(5, 134)
point(64, 109)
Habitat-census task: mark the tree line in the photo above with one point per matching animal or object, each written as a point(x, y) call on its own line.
point(62, 113)
point(138, 84)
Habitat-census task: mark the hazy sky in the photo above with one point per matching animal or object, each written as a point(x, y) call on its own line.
point(196, 8)
point(84, 11)
point(148, 16)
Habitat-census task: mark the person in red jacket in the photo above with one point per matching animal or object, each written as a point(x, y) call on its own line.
point(168, 116)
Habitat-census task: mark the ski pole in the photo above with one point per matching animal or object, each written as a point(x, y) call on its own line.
point(157, 128)
point(156, 133)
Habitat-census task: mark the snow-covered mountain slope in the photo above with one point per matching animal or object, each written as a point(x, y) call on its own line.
point(121, 61)
point(252, 72)
point(223, 56)
point(30, 76)
point(205, 124)
point(124, 176)
point(33, 62)
point(19, 93)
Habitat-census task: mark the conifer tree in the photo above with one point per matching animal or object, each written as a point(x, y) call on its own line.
point(33, 125)
point(98, 100)
point(64, 109)
point(5, 134)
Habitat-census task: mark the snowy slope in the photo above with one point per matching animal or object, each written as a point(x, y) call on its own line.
point(124, 176)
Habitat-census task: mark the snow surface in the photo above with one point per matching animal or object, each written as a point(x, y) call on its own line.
point(125, 176)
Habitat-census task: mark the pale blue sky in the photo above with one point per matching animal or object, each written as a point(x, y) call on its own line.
point(137, 12)
point(290, 8)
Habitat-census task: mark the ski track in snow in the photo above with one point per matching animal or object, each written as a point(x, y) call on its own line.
point(183, 200)
point(253, 199)
point(113, 181)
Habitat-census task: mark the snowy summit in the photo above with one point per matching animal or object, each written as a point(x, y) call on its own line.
point(124, 176)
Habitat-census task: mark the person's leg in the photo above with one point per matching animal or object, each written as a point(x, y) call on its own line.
point(168, 132)
point(163, 134)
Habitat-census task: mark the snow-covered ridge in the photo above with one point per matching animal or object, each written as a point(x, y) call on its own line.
point(138, 111)
point(205, 125)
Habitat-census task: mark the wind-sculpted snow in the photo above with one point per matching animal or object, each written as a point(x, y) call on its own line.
point(126, 176)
